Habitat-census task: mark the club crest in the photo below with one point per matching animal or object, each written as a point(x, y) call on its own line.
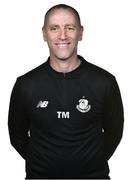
point(83, 105)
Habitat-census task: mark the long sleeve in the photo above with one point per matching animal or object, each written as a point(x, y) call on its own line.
point(114, 119)
point(17, 120)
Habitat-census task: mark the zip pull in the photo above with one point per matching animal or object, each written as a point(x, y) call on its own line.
point(64, 73)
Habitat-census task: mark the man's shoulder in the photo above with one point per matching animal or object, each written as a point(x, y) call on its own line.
point(33, 76)
point(95, 71)
point(37, 71)
point(98, 72)
point(98, 77)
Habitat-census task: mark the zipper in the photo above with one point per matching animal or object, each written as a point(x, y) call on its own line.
point(64, 90)
point(64, 74)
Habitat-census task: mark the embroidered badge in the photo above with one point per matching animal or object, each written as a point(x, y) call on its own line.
point(83, 105)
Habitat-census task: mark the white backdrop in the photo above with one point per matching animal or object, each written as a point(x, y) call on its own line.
point(105, 44)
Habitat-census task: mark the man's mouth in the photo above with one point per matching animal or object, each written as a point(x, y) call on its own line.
point(62, 45)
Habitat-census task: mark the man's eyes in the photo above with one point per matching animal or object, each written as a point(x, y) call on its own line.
point(54, 29)
point(70, 28)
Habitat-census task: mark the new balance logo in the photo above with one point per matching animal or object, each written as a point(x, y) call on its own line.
point(43, 104)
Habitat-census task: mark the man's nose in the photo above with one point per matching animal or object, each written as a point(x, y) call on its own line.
point(63, 34)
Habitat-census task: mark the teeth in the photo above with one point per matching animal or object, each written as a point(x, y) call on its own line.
point(62, 45)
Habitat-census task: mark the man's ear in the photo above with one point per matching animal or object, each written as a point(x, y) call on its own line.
point(44, 34)
point(81, 33)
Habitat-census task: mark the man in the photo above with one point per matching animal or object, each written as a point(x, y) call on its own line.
point(65, 116)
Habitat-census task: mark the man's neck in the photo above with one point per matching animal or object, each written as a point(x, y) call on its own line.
point(66, 65)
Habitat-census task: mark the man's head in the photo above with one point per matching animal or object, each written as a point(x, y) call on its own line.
point(65, 7)
point(62, 30)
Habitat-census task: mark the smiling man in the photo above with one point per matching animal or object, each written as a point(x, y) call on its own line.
point(62, 30)
point(65, 116)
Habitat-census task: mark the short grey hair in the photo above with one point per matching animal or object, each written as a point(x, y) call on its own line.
point(62, 6)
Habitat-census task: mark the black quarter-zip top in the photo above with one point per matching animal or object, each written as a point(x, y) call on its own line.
point(75, 121)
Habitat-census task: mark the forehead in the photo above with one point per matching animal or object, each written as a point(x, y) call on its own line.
point(64, 16)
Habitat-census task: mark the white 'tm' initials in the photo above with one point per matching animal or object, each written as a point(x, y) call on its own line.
point(62, 114)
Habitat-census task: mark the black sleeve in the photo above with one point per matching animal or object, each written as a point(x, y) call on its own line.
point(114, 119)
point(18, 123)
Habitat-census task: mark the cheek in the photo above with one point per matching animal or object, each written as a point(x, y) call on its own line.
point(50, 37)
point(50, 42)
point(75, 38)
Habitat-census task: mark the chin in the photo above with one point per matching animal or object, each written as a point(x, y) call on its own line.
point(64, 57)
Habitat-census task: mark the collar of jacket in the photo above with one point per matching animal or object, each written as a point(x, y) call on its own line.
point(69, 75)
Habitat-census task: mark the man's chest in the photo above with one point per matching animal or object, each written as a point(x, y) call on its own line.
point(68, 103)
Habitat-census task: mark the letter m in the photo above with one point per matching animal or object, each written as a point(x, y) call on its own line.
point(65, 114)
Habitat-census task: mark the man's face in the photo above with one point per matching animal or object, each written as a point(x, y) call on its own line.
point(62, 33)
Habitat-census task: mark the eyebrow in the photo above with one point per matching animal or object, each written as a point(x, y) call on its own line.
point(66, 25)
point(70, 25)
